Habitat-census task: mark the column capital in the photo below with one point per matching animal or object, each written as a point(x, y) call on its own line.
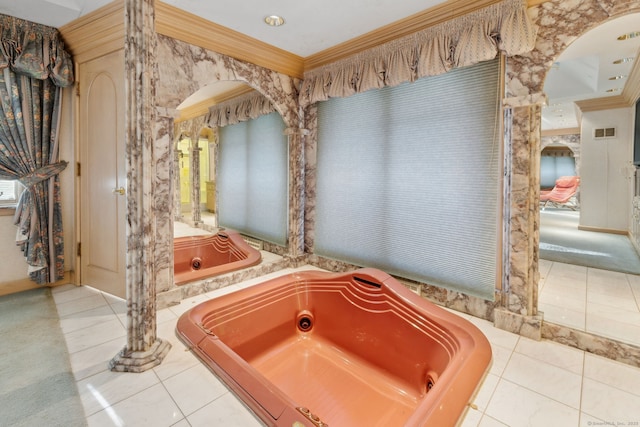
point(296, 131)
point(525, 100)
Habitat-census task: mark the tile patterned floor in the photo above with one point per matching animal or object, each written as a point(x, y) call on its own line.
point(602, 302)
point(530, 383)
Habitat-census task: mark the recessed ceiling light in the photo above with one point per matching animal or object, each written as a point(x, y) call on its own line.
point(630, 35)
point(617, 77)
point(274, 20)
point(624, 60)
point(617, 89)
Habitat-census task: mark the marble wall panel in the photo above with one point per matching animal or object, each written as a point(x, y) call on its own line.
point(184, 69)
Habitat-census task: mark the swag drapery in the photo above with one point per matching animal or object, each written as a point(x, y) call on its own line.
point(33, 68)
point(468, 40)
point(239, 109)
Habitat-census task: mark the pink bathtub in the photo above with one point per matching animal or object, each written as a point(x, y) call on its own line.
point(339, 349)
point(197, 257)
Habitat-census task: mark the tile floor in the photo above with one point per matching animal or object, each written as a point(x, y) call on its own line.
point(530, 383)
point(602, 302)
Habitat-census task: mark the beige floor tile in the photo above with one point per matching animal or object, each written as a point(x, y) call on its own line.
point(553, 353)
point(107, 388)
point(548, 380)
point(150, 407)
point(194, 388)
point(518, 406)
point(609, 403)
point(225, 411)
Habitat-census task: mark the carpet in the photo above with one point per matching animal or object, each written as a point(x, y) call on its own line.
point(561, 241)
point(37, 387)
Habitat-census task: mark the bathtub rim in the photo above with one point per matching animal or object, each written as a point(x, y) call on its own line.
point(270, 403)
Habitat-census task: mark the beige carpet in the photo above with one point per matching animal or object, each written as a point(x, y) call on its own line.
point(561, 241)
point(37, 387)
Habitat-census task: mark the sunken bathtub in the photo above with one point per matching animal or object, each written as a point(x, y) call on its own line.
point(339, 349)
point(197, 257)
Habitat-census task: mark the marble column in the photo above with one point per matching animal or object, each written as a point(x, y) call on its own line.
point(195, 180)
point(296, 138)
point(177, 196)
point(144, 349)
point(518, 311)
point(163, 196)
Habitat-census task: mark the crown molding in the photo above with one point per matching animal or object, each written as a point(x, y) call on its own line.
point(102, 31)
point(95, 34)
point(604, 103)
point(189, 28)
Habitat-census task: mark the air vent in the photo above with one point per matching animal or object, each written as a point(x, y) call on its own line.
point(604, 133)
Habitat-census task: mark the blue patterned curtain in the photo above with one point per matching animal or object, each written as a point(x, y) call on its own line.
point(33, 69)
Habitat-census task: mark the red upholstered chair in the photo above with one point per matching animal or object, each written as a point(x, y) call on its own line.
point(562, 193)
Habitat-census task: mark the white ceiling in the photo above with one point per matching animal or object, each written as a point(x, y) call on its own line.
point(584, 69)
point(581, 72)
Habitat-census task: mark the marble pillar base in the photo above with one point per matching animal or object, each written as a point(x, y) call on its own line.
point(140, 361)
point(602, 346)
point(168, 298)
point(527, 326)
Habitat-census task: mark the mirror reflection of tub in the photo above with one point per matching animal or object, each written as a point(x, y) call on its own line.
point(199, 257)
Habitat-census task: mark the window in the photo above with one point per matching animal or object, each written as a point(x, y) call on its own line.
point(408, 179)
point(9, 193)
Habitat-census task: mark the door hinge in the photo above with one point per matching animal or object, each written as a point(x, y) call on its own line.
point(77, 168)
point(79, 252)
point(77, 88)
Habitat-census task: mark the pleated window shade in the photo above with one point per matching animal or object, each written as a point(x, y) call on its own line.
point(252, 181)
point(408, 179)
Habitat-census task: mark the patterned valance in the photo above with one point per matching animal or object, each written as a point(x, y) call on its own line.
point(239, 109)
point(34, 50)
point(467, 40)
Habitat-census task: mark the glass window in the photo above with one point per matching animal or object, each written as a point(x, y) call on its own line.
point(9, 193)
point(408, 179)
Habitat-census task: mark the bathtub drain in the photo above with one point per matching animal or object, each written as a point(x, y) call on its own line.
point(196, 263)
point(305, 321)
point(432, 377)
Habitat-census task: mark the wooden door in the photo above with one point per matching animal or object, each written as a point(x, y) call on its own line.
point(102, 174)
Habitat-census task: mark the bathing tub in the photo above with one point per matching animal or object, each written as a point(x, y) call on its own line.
point(197, 257)
point(339, 349)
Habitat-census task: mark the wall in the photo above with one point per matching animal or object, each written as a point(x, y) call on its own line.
point(606, 170)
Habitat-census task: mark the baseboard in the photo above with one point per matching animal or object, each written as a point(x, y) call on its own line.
point(603, 230)
point(26, 284)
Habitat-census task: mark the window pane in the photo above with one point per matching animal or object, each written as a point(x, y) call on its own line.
point(253, 178)
point(408, 179)
point(7, 191)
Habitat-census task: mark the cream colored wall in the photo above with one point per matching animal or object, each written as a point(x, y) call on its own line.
point(606, 170)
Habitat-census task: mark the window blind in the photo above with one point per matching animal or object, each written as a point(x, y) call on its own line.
point(552, 168)
point(252, 179)
point(408, 179)
point(9, 193)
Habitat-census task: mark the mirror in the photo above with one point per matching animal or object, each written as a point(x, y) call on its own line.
point(234, 173)
point(589, 267)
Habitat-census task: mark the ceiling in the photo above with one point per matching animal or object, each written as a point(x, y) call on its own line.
point(581, 72)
